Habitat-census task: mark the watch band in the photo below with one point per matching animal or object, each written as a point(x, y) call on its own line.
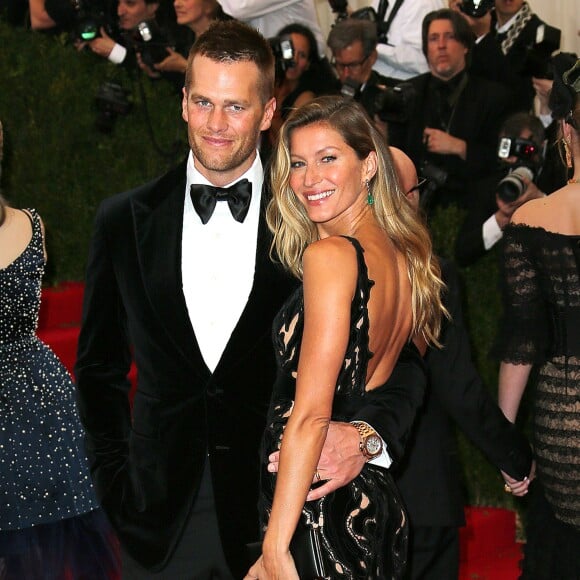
point(365, 431)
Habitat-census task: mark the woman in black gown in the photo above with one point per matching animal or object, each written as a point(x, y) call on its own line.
point(541, 331)
point(370, 290)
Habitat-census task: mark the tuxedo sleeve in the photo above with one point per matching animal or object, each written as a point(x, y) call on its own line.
point(391, 408)
point(102, 366)
point(457, 385)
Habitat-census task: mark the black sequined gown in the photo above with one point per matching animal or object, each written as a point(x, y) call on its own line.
point(541, 275)
point(364, 525)
point(45, 484)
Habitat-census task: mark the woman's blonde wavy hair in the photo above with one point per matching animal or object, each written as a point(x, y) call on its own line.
point(294, 231)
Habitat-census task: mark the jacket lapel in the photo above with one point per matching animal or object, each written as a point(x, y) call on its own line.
point(158, 219)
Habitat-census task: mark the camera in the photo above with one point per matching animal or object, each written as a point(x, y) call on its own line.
point(340, 8)
point(390, 104)
point(91, 16)
point(150, 42)
point(435, 177)
point(111, 100)
point(538, 58)
point(283, 50)
point(524, 149)
point(513, 185)
point(476, 8)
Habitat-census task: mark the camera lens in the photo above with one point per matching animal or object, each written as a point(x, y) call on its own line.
point(513, 185)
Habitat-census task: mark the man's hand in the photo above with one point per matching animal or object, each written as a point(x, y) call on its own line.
point(340, 462)
point(437, 141)
point(543, 88)
point(173, 63)
point(506, 209)
point(102, 45)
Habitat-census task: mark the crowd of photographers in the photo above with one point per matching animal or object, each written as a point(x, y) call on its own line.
point(460, 86)
point(440, 79)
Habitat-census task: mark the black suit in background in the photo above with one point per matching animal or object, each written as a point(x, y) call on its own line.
point(469, 244)
point(429, 477)
point(476, 117)
point(513, 68)
point(148, 467)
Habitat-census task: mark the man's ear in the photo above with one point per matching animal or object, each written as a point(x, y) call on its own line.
point(269, 110)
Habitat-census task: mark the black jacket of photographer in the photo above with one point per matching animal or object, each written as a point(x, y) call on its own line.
point(469, 244)
point(513, 69)
point(467, 107)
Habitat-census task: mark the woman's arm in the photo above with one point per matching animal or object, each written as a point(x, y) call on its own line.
point(330, 273)
point(512, 383)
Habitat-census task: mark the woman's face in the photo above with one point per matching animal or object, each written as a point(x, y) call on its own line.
point(189, 11)
point(301, 56)
point(326, 175)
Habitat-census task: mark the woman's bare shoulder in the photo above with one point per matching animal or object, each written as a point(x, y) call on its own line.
point(333, 256)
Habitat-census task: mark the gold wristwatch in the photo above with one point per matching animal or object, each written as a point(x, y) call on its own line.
point(370, 445)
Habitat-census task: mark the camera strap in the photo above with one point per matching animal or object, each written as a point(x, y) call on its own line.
point(453, 99)
point(387, 25)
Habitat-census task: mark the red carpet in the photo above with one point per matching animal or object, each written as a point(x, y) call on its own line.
point(488, 547)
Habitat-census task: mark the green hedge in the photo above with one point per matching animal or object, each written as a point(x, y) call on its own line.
point(55, 158)
point(58, 162)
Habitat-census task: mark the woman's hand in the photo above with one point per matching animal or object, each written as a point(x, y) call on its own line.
point(279, 568)
point(519, 488)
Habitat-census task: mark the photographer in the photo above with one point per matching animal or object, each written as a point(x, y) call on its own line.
point(117, 47)
point(518, 177)
point(454, 122)
point(353, 44)
point(513, 46)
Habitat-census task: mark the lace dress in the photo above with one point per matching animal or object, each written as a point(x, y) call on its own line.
point(44, 476)
point(542, 327)
point(364, 525)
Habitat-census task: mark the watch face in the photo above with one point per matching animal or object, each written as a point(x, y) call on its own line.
point(373, 445)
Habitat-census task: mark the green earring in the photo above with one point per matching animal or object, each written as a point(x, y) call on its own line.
point(370, 198)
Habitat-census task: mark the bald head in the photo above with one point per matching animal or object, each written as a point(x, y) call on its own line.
point(407, 175)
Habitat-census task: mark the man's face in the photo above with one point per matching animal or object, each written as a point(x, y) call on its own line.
point(445, 54)
point(507, 8)
point(351, 63)
point(131, 12)
point(225, 115)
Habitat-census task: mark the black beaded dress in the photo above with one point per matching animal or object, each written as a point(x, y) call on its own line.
point(363, 525)
point(48, 509)
point(541, 276)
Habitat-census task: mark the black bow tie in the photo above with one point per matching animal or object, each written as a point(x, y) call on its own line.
point(238, 196)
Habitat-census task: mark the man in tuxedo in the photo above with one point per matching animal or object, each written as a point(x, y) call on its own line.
point(453, 123)
point(180, 277)
point(456, 393)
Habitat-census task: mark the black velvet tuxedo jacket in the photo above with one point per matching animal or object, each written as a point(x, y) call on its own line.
point(429, 476)
point(147, 467)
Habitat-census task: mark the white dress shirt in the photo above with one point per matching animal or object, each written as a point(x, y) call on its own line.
point(403, 58)
point(218, 262)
